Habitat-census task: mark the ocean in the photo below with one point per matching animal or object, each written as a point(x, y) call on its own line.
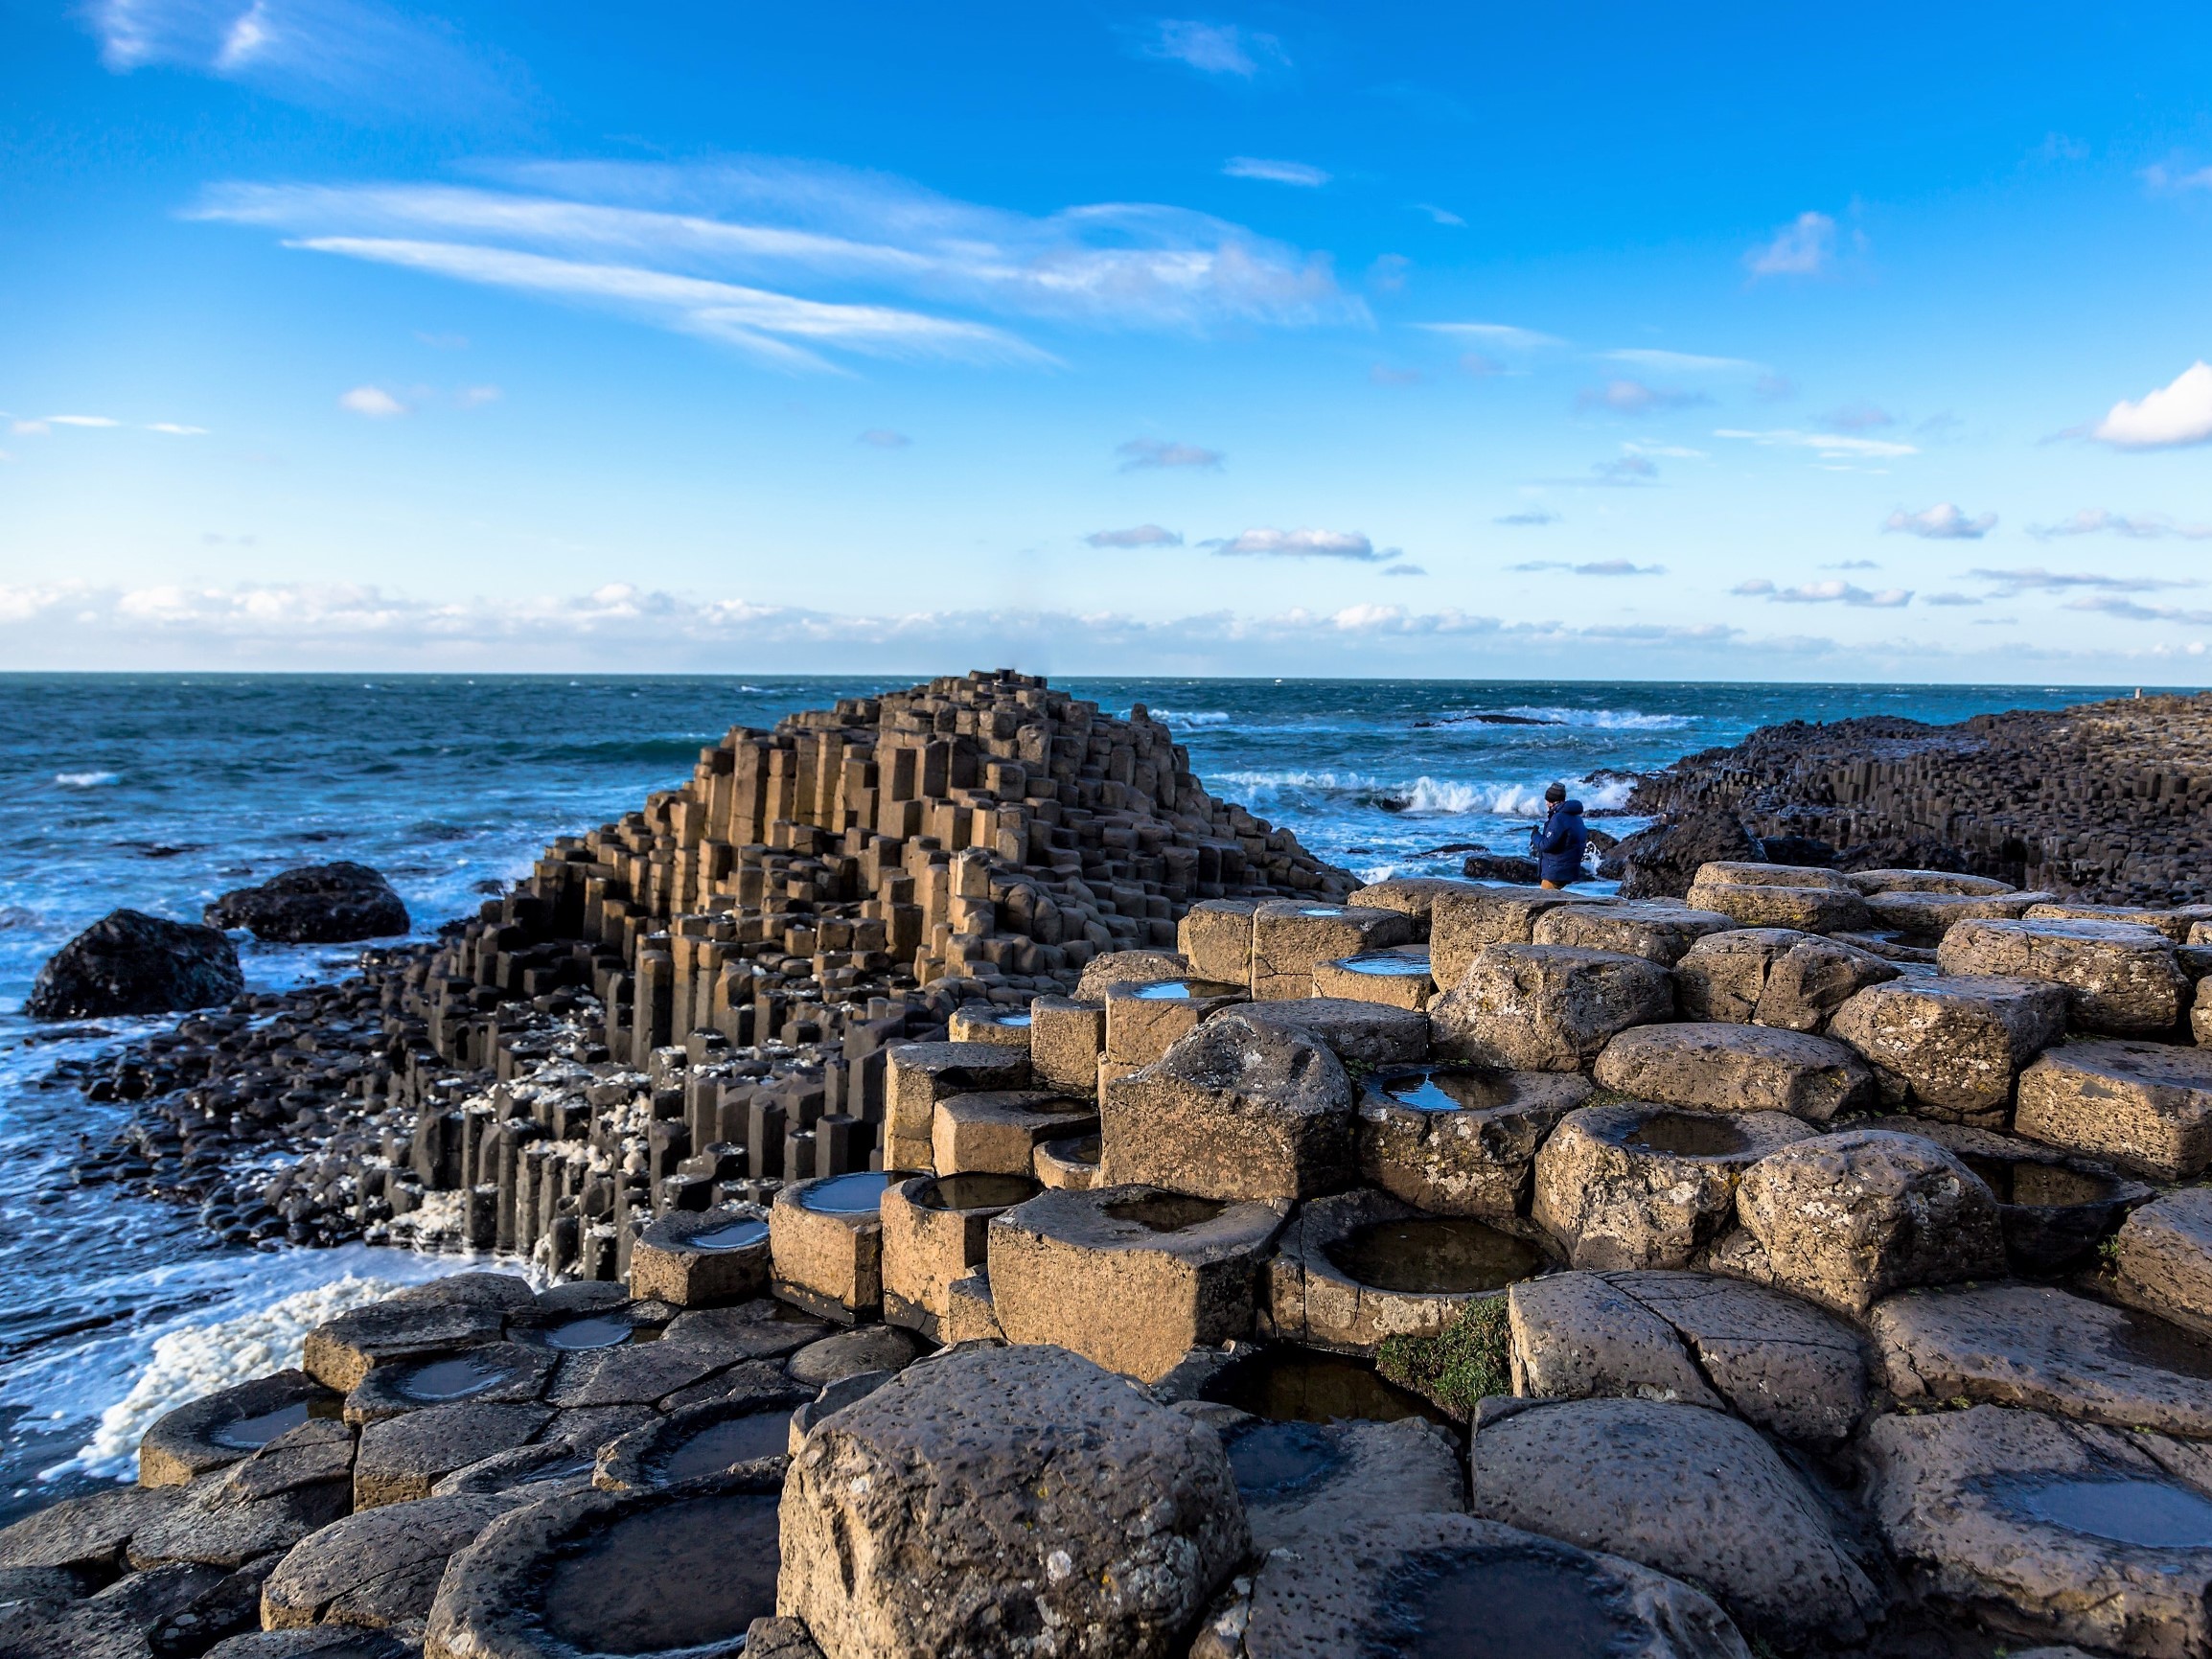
point(158, 792)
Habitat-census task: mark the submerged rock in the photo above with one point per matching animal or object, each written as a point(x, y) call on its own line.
point(129, 962)
point(318, 905)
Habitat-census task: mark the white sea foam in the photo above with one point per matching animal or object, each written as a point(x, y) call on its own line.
point(1187, 720)
point(1436, 796)
point(84, 779)
point(1605, 719)
point(232, 1316)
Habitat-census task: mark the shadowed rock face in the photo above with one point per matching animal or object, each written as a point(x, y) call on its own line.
point(132, 963)
point(319, 904)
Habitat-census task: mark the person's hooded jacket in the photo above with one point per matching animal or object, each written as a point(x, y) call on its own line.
point(1559, 843)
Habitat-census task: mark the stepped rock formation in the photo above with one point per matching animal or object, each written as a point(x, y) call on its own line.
point(2110, 801)
point(977, 1218)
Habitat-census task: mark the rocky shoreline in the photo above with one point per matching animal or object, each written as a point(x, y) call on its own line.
point(982, 1186)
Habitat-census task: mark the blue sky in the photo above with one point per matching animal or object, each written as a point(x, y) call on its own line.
point(1730, 342)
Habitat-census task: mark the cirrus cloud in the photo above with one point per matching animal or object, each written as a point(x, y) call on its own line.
point(1295, 173)
point(1806, 247)
point(2137, 526)
point(1139, 453)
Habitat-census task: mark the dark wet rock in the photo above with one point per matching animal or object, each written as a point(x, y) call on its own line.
point(89, 1535)
point(341, 1352)
point(232, 1423)
point(379, 1568)
point(1500, 868)
point(1435, 1586)
point(698, 1347)
point(872, 1347)
point(296, 1485)
point(594, 1572)
point(317, 905)
point(702, 1442)
point(315, 1641)
point(129, 962)
point(1007, 1502)
point(1660, 863)
point(502, 1371)
point(1305, 1483)
point(1621, 1475)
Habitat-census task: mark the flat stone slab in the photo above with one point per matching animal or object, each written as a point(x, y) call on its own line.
point(2035, 1346)
point(1132, 1278)
point(403, 1458)
point(231, 1424)
point(2146, 1107)
point(1018, 1491)
point(1471, 917)
point(1690, 1492)
point(379, 1568)
point(2118, 977)
point(1357, 1033)
point(698, 1345)
point(1290, 935)
point(1301, 1484)
point(1769, 903)
point(1712, 1067)
point(1657, 929)
point(697, 1259)
point(998, 1133)
point(1780, 976)
point(2048, 1527)
point(1953, 1044)
point(1423, 1585)
point(1776, 1361)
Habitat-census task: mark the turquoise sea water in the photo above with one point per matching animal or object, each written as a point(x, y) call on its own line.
point(160, 791)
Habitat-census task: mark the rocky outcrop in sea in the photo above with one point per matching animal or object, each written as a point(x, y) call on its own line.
point(1813, 1263)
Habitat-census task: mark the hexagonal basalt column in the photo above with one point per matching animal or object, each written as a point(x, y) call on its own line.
point(1643, 1185)
point(920, 1075)
point(999, 1133)
point(827, 1239)
point(1132, 1278)
point(696, 1258)
point(1144, 1020)
point(989, 1022)
point(1397, 977)
point(1457, 1139)
point(935, 1232)
point(1356, 1268)
point(1290, 935)
point(1065, 1039)
point(1069, 1165)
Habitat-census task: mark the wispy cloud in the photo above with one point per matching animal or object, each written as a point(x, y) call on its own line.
point(1953, 599)
point(1216, 48)
point(1528, 519)
point(353, 57)
point(1806, 247)
point(2036, 579)
point(41, 425)
point(94, 422)
point(884, 438)
point(1629, 469)
point(2137, 526)
point(1940, 523)
point(1835, 591)
point(1860, 418)
point(2168, 418)
point(1440, 215)
point(174, 430)
point(1829, 446)
point(2130, 610)
point(1683, 362)
point(1347, 544)
point(1594, 567)
point(1402, 569)
point(1139, 453)
point(1385, 375)
point(1136, 535)
point(1502, 336)
point(1627, 396)
point(722, 250)
point(372, 402)
point(2163, 179)
point(1295, 173)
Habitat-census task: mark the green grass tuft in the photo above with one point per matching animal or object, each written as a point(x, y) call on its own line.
point(1460, 1365)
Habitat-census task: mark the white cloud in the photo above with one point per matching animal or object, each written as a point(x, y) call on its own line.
point(93, 420)
point(715, 250)
point(883, 438)
point(1528, 518)
point(1940, 523)
point(1216, 48)
point(1953, 599)
point(1136, 535)
point(1305, 544)
point(2167, 418)
point(1295, 173)
point(1683, 362)
point(1806, 247)
point(1833, 591)
point(477, 397)
point(372, 402)
point(1627, 396)
point(1594, 567)
point(1503, 336)
point(1440, 215)
point(2138, 526)
point(1830, 445)
point(1139, 454)
point(2129, 611)
point(174, 430)
point(1404, 569)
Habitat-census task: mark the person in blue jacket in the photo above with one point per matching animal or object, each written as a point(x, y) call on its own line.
point(1557, 843)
